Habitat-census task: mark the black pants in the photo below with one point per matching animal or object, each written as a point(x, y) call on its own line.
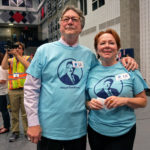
point(4, 111)
point(101, 142)
point(49, 144)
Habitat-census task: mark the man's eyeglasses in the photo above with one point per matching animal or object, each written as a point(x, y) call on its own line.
point(74, 19)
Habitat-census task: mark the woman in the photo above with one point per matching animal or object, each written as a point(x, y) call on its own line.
point(3, 98)
point(114, 92)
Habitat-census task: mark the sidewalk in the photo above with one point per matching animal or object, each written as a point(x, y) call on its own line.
point(142, 141)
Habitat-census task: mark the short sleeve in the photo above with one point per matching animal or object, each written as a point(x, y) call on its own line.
point(139, 83)
point(35, 67)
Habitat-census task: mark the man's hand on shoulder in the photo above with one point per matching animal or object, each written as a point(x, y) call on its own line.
point(34, 132)
point(129, 63)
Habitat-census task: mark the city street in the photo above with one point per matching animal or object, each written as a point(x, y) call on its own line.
point(142, 141)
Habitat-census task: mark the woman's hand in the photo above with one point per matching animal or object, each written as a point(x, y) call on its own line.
point(94, 104)
point(114, 101)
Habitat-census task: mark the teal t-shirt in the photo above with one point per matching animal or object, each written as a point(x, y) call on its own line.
point(63, 71)
point(113, 81)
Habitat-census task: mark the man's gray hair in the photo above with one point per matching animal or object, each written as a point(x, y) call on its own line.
point(78, 11)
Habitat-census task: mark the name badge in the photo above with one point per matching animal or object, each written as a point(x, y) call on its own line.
point(15, 75)
point(77, 64)
point(123, 76)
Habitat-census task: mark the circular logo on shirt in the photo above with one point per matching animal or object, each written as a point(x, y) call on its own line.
point(108, 86)
point(70, 71)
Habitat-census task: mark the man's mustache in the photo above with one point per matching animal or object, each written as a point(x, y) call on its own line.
point(70, 27)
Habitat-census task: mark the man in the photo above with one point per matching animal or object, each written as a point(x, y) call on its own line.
point(55, 109)
point(107, 89)
point(17, 66)
point(69, 77)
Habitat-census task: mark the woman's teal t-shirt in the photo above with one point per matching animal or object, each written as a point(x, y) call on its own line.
point(113, 81)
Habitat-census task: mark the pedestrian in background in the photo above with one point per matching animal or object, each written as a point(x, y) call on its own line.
point(3, 98)
point(17, 66)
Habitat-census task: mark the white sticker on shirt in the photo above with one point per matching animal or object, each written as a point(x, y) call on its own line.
point(77, 64)
point(123, 76)
point(15, 75)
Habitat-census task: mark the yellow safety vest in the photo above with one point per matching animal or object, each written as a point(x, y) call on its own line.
point(17, 75)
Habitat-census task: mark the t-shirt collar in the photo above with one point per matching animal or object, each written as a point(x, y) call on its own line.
point(63, 42)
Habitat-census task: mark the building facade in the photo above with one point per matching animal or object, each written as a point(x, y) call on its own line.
point(130, 18)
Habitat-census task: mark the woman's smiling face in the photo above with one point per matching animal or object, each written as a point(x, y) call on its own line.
point(107, 47)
